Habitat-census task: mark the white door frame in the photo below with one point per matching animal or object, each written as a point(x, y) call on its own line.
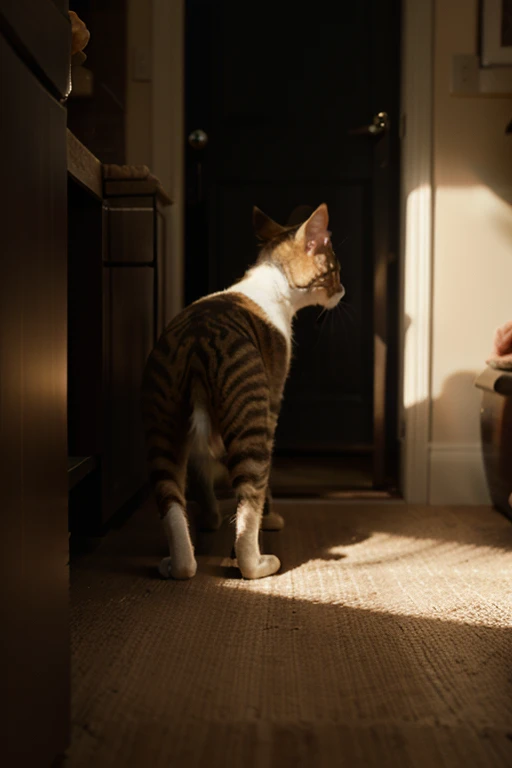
point(416, 207)
point(417, 244)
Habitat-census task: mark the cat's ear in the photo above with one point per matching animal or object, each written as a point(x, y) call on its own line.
point(265, 227)
point(314, 233)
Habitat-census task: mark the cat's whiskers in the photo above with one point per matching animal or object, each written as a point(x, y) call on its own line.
point(335, 315)
point(321, 316)
point(348, 311)
point(341, 243)
point(320, 322)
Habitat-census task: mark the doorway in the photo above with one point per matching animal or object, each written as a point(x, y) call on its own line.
point(288, 109)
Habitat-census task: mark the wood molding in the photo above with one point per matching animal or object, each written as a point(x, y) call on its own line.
point(417, 217)
point(83, 166)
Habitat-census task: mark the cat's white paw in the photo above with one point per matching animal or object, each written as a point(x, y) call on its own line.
point(169, 570)
point(272, 522)
point(258, 568)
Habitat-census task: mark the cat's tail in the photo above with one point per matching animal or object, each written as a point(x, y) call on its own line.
point(205, 439)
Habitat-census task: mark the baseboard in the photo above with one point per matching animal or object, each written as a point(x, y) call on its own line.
point(457, 474)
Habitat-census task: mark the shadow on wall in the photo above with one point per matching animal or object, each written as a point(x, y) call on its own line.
point(455, 471)
point(457, 403)
point(503, 219)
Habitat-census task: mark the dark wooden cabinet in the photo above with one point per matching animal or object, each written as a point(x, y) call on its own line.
point(29, 25)
point(129, 330)
point(116, 250)
point(33, 468)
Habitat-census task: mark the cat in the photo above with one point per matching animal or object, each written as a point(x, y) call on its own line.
point(212, 388)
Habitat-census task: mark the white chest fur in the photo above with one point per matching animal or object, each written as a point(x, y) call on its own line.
point(266, 285)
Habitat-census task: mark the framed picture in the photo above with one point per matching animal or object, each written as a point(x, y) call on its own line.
point(496, 26)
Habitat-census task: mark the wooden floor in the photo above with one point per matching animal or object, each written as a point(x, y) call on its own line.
point(320, 476)
point(385, 641)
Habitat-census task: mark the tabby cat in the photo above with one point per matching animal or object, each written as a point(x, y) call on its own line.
point(213, 384)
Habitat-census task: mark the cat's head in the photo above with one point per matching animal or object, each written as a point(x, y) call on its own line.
point(304, 254)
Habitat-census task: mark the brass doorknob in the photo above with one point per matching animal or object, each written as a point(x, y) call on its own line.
point(379, 125)
point(198, 139)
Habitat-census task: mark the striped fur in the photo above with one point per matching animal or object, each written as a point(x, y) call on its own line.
point(213, 385)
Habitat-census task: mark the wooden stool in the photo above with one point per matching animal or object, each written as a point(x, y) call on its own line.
point(496, 435)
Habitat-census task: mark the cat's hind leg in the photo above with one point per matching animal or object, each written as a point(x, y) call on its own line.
point(249, 464)
point(247, 435)
point(167, 452)
point(252, 564)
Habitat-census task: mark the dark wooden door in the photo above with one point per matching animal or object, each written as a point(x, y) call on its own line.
point(279, 91)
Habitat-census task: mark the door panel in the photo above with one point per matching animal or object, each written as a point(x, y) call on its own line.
point(278, 93)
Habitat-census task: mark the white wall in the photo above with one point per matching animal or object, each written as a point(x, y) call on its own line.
point(472, 252)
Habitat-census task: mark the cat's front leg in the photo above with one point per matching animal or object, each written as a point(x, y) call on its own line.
point(252, 564)
point(272, 520)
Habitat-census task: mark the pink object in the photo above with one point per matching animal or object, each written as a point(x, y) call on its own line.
point(501, 356)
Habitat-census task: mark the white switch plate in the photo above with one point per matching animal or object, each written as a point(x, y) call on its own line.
point(142, 65)
point(465, 73)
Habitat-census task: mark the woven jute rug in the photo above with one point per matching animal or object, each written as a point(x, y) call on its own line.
point(384, 641)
